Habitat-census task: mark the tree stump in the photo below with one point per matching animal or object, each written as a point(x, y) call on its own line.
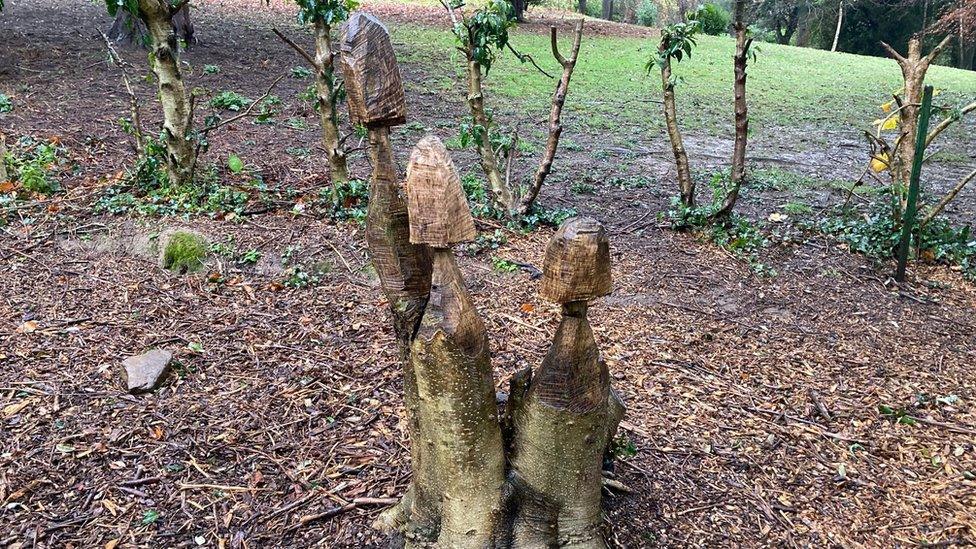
point(465, 492)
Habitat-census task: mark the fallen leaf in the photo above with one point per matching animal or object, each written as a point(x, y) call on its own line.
point(527, 307)
point(27, 327)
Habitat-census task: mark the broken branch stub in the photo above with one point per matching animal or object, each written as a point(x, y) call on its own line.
point(439, 212)
point(370, 72)
point(577, 264)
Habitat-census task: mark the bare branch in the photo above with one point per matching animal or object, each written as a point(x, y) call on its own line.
point(938, 49)
point(133, 100)
point(301, 51)
point(894, 53)
point(941, 127)
point(523, 57)
point(937, 209)
point(246, 112)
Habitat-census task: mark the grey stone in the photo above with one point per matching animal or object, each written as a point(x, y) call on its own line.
point(145, 372)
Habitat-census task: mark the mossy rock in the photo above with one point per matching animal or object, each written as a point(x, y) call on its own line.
point(183, 251)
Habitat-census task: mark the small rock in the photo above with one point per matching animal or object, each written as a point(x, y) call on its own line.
point(145, 372)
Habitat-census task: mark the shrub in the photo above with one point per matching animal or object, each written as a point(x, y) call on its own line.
point(714, 19)
point(647, 13)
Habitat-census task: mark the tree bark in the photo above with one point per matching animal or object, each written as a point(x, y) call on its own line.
point(582, 7)
point(177, 122)
point(502, 196)
point(686, 184)
point(741, 62)
point(457, 407)
point(562, 427)
point(327, 90)
point(555, 114)
point(131, 30)
point(840, 24)
point(607, 12)
point(913, 68)
point(404, 270)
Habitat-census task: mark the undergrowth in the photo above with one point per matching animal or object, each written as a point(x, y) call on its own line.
point(34, 166)
point(736, 234)
point(145, 190)
point(185, 252)
point(875, 234)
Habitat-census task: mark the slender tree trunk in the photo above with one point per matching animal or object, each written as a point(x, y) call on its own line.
point(685, 182)
point(3, 154)
point(840, 24)
point(607, 12)
point(502, 196)
point(582, 7)
point(326, 87)
point(914, 68)
point(177, 121)
point(519, 9)
point(741, 61)
point(555, 114)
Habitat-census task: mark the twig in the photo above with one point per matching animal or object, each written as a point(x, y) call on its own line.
point(133, 101)
point(246, 112)
point(523, 57)
point(301, 51)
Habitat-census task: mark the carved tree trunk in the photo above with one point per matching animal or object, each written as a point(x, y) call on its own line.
point(180, 156)
point(686, 185)
point(741, 62)
point(327, 90)
point(465, 493)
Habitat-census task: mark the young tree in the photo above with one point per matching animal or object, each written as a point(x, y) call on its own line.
point(743, 43)
point(468, 490)
point(157, 16)
point(903, 114)
point(677, 42)
point(480, 36)
point(324, 15)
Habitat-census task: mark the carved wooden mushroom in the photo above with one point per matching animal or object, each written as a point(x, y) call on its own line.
point(577, 264)
point(370, 73)
point(376, 99)
point(568, 408)
point(451, 360)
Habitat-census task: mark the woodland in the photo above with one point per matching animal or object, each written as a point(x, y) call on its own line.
point(489, 274)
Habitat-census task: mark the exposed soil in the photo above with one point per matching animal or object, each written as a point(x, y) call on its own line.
point(753, 402)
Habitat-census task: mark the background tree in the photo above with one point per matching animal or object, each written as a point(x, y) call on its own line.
point(781, 16)
point(157, 16)
point(480, 36)
point(323, 16)
point(677, 42)
point(130, 29)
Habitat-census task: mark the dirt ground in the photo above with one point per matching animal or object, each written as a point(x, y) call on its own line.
point(755, 404)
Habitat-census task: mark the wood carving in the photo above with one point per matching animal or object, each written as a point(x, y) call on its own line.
point(439, 212)
point(577, 264)
point(369, 68)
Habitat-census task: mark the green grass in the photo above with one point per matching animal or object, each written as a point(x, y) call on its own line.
point(185, 252)
point(795, 88)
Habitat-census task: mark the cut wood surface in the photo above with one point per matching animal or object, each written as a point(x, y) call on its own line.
point(374, 89)
point(577, 264)
point(439, 212)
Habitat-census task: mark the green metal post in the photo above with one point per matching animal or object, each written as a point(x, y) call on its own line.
point(908, 218)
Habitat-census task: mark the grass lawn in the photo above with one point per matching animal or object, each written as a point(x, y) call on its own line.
point(789, 87)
